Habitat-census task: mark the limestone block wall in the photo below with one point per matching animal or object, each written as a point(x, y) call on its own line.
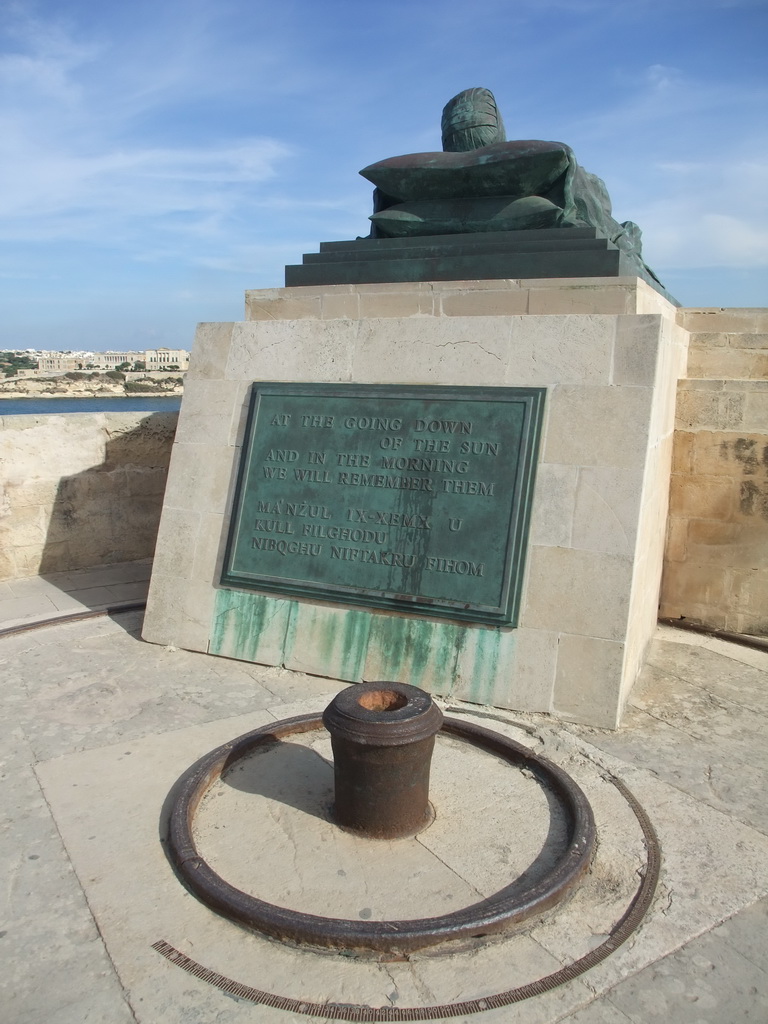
point(80, 489)
point(716, 560)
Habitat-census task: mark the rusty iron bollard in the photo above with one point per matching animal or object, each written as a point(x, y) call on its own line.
point(383, 735)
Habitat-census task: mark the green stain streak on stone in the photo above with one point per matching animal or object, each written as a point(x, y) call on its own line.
point(411, 648)
point(490, 649)
point(443, 641)
point(324, 631)
point(250, 627)
point(440, 657)
point(357, 628)
point(328, 642)
point(417, 651)
point(290, 635)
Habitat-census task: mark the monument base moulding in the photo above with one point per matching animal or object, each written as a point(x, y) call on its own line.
point(608, 355)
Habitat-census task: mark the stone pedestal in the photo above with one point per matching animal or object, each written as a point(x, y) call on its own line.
point(470, 256)
point(609, 354)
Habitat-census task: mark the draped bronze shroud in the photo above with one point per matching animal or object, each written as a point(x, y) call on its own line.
point(482, 183)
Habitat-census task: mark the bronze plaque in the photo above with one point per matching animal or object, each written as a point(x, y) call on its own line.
point(411, 498)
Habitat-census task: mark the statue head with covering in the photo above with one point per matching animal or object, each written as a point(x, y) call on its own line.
point(471, 120)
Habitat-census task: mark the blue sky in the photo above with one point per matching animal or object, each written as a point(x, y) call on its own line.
point(161, 157)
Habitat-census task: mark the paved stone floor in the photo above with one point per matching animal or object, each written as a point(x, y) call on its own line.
point(64, 593)
point(96, 726)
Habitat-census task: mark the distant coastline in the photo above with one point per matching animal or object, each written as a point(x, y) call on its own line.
point(90, 386)
point(11, 396)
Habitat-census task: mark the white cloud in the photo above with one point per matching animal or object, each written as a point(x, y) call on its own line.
point(41, 60)
point(661, 103)
point(60, 194)
point(76, 167)
point(153, 136)
point(687, 160)
point(685, 235)
point(713, 213)
point(133, 182)
point(662, 78)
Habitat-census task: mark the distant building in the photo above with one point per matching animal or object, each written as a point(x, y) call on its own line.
point(153, 359)
point(61, 362)
point(111, 360)
point(165, 358)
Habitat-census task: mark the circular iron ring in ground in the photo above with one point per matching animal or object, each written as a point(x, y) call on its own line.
point(489, 916)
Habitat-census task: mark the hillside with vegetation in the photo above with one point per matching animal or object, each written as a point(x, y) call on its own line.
point(12, 362)
point(84, 384)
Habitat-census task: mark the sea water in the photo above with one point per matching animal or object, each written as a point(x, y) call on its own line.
point(133, 403)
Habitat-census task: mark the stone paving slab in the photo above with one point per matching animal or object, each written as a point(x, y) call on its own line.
point(138, 906)
point(88, 887)
point(113, 794)
point(61, 593)
point(708, 980)
point(52, 951)
point(698, 718)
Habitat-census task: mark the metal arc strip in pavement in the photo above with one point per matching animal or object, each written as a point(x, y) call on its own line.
point(627, 924)
point(488, 916)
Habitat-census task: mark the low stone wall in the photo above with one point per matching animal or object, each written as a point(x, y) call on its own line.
point(716, 563)
point(79, 490)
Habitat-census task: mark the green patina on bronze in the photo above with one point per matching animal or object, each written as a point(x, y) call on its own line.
point(471, 120)
point(409, 498)
point(482, 183)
